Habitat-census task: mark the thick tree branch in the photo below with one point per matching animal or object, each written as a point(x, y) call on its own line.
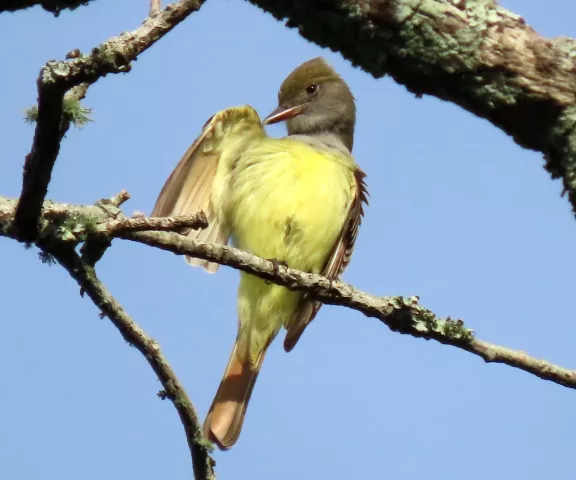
point(473, 53)
point(400, 314)
point(86, 277)
point(56, 78)
point(54, 6)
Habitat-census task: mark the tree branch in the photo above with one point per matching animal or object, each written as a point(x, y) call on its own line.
point(56, 78)
point(120, 226)
point(473, 53)
point(400, 314)
point(54, 6)
point(155, 8)
point(86, 277)
point(62, 226)
point(73, 224)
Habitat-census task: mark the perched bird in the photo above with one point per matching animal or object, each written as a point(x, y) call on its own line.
point(296, 200)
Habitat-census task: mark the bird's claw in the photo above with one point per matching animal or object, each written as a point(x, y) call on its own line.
point(276, 266)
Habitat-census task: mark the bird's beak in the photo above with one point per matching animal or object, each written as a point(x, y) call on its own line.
point(281, 114)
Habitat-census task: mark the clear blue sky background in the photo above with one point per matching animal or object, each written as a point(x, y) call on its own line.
point(459, 215)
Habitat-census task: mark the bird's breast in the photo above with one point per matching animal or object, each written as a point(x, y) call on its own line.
point(288, 201)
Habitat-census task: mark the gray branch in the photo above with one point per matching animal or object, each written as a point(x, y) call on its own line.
point(404, 315)
point(61, 228)
point(401, 314)
point(58, 77)
point(86, 277)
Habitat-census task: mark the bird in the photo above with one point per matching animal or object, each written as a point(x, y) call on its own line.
point(296, 200)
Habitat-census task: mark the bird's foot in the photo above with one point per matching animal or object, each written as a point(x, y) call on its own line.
point(276, 266)
point(331, 282)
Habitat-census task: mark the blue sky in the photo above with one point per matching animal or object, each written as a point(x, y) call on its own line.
point(459, 215)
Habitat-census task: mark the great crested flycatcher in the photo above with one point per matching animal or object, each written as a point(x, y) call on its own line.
point(297, 200)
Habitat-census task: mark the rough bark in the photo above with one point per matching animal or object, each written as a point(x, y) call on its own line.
point(53, 6)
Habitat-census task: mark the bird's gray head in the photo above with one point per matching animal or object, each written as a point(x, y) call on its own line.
point(315, 100)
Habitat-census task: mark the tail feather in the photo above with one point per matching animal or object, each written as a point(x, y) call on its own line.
point(226, 415)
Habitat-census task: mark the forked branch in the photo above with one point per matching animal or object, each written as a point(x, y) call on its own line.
point(59, 77)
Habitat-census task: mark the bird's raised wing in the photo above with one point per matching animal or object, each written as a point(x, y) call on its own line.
point(189, 188)
point(337, 261)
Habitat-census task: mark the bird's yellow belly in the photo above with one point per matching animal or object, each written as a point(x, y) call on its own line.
point(289, 206)
point(291, 210)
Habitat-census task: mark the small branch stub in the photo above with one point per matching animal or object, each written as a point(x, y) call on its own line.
point(155, 8)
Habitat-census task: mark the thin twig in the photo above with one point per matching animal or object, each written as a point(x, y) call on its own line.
point(56, 78)
point(120, 198)
point(143, 224)
point(86, 277)
point(155, 7)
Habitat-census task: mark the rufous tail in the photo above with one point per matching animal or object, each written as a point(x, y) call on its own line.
point(226, 415)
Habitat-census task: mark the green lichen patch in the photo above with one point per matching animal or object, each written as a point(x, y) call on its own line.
point(76, 113)
point(70, 229)
point(206, 444)
point(31, 114)
point(561, 154)
point(440, 35)
point(77, 228)
point(53, 71)
point(492, 89)
point(46, 258)
point(406, 315)
point(428, 324)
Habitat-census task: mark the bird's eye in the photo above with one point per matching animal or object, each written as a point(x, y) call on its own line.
point(312, 89)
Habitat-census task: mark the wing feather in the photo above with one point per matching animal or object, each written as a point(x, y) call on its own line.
point(337, 261)
point(189, 187)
